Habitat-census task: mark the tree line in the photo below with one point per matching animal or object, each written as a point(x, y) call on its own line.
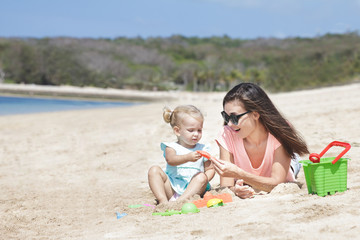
point(185, 63)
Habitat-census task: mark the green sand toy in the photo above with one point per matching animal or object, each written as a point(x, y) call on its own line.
point(186, 208)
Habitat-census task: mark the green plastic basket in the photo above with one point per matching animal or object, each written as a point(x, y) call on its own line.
point(326, 176)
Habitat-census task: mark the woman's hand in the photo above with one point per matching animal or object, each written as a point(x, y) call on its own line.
point(226, 169)
point(243, 191)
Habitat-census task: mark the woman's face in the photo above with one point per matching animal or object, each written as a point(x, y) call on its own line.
point(245, 124)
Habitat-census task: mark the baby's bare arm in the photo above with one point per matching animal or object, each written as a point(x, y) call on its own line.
point(175, 160)
point(209, 170)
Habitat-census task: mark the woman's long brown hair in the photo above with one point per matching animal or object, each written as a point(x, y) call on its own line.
point(255, 99)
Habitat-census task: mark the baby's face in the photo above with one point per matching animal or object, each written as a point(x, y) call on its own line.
point(190, 131)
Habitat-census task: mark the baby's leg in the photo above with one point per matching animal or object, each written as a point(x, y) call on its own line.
point(160, 184)
point(197, 185)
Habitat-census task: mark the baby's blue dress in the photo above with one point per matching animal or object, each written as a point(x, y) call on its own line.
point(181, 175)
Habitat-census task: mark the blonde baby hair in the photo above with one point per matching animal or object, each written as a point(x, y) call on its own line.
point(175, 116)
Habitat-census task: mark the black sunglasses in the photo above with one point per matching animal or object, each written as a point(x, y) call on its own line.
point(233, 118)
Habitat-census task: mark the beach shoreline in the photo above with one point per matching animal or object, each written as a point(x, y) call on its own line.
point(65, 175)
point(84, 93)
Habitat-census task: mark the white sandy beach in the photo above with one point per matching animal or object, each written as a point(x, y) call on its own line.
point(64, 175)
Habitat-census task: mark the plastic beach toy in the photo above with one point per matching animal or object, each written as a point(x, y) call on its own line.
point(325, 176)
point(189, 208)
point(120, 215)
point(205, 154)
point(166, 213)
point(226, 197)
point(215, 202)
point(141, 205)
point(315, 158)
point(186, 208)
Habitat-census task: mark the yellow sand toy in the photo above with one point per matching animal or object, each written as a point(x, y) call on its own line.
point(215, 202)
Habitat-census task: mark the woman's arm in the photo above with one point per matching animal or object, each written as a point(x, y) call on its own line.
point(228, 157)
point(279, 170)
point(238, 188)
point(175, 160)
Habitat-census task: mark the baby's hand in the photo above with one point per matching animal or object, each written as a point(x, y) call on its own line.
point(194, 156)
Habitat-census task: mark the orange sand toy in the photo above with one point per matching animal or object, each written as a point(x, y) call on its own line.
point(205, 154)
point(226, 197)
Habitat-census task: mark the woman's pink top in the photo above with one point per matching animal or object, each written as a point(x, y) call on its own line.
point(229, 140)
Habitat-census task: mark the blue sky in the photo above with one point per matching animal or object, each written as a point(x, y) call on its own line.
point(246, 19)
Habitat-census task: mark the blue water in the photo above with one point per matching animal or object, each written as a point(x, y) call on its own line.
point(23, 105)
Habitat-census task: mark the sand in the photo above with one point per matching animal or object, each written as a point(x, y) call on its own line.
point(64, 175)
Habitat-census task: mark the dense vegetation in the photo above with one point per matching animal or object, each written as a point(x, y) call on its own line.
point(177, 62)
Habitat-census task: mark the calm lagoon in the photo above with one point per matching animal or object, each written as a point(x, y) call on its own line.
point(23, 105)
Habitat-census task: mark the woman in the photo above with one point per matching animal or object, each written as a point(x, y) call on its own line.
point(256, 144)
